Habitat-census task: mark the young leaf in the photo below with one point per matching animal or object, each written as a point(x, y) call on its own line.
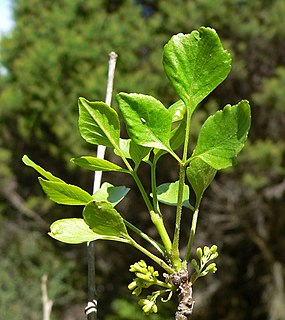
point(96, 164)
point(98, 123)
point(75, 231)
point(177, 110)
point(108, 192)
point(223, 135)
point(138, 153)
point(178, 135)
point(63, 193)
point(196, 64)
point(200, 175)
point(147, 121)
point(72, 231)
point(131, 150)
point(28, 162)
point(167, 193)
point(176, 139)
point(103, 219)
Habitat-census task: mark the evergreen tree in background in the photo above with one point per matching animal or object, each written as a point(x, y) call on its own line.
point(57, 52)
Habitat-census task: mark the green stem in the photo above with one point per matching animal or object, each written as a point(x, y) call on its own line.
point(146, 237)
point(163, 284)
point(142, 191)
point(153, 185)
point(159, 261)
point(192, 231)
point(174, 155)
point(125, 160)
point(175, 258)
point(156, 218)
point(175, 249)
point(158, 222)
point(187, 136)
point(194, 277)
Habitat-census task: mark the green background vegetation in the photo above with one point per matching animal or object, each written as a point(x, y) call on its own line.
point(58, 51)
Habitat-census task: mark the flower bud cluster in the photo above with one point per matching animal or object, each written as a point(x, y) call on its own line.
point(148, 305)
point(145, 277)
point(204, 256)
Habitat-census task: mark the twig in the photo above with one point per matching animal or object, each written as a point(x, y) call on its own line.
point(47, 303)
point(91, 308)
point(12, 196)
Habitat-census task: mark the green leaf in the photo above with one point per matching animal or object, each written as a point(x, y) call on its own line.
point(177, 110)
point(131, 150)
point(96, 164)
point(103, 219)
point(147, 121)
point(72, 231)
point(223, 135)
point(196, 64)
point(167, 193)
point(176, 140)
point(108, 192)
point(178, 136)
point(200, 175)
point(63, 193)
point(98, 123)
point(75, 231)
point(28, 162)
point(138, 153)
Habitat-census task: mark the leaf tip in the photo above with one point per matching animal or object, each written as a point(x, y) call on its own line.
point(51, 234)
point(25, 159)
point(81, 99)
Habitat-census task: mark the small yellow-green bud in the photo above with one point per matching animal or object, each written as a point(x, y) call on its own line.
point(214, 255)
point(142, 263)
point(139, 267)
point(154, 308)
point(146, 277)
point(137, 291)
point(195, 264)
point(214, 248)
point(211, 268)
point(142, 302)
point(155, 274)
point(150, 269)
point(199, 253)
point(206, 250)
point(148, 306)
point(132, 285)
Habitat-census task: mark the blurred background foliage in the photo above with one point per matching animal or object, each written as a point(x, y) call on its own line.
point(58, 51)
